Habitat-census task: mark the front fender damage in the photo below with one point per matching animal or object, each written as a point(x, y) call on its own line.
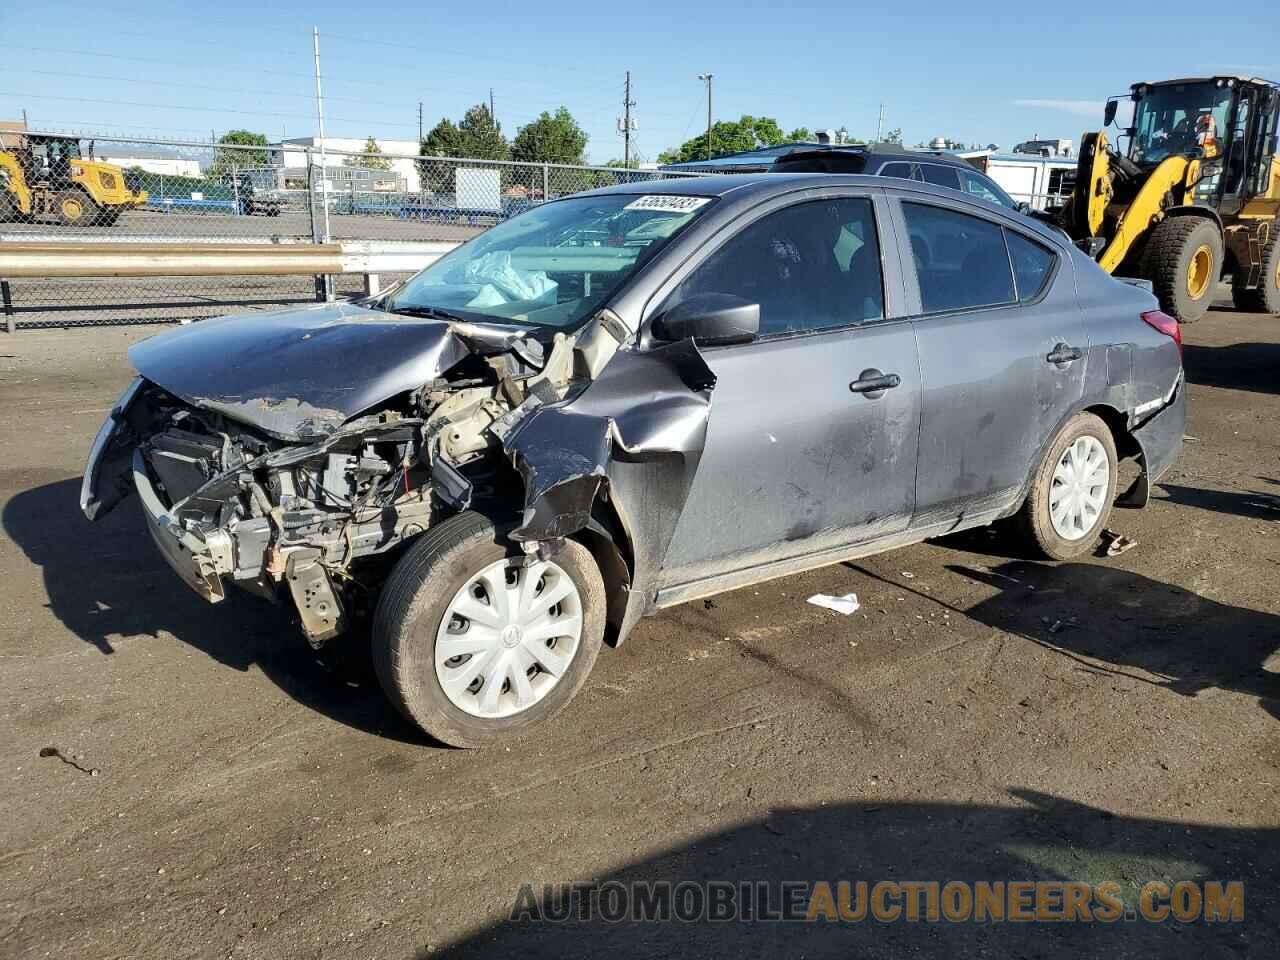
point(633, 437)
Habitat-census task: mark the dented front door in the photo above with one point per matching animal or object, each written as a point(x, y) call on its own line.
point(795, 460)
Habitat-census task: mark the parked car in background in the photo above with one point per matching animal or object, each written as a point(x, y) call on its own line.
point(632, 398)
point(882, 160)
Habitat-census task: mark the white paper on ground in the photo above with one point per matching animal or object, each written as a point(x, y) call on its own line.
point(847, 604)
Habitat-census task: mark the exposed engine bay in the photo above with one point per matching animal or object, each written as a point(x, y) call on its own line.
point(292, 495)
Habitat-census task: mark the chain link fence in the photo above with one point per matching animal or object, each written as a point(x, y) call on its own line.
point(175, 195)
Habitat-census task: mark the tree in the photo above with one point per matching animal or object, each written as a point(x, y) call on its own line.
point(224, 161)
point(550, 139)
point(444, 140)
point(894, 136)
point(728, 136)
point(481, 136)
point(800, 135)
point(371, 159)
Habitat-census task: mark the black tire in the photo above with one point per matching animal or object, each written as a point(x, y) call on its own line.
point(8, 208)
point(413, 604)
point(1265, 297)
point(1034, 522)
point(75, 208)
point(1174, 244)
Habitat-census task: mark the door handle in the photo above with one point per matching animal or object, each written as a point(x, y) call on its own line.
point(872, 383)
point(1064, 353)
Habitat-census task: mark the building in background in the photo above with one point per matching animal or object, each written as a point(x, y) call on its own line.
point(163, 166)
point(402, 176)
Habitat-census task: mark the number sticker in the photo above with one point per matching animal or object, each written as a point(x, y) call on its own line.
point(666, 203)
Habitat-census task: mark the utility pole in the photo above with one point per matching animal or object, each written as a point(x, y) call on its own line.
point(708, 77)
point(419, 122)
point(880, 124)
point(627, 123)
point(324, 173)
point(493, 116)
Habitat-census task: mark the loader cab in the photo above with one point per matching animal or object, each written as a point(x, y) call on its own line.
point(1228, 123)
point(51, 157)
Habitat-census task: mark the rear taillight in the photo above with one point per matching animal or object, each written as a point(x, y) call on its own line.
point(1159, 320)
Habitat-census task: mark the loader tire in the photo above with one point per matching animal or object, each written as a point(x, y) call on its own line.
point(8, 209)
point(75, 208)
point(1183, 261)
point(1265, 297)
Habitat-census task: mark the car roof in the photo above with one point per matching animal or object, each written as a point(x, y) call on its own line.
point(880, 152)
point(755, 187)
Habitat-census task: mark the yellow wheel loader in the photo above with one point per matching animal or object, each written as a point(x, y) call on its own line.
point(45, 178)
point(1192, 196)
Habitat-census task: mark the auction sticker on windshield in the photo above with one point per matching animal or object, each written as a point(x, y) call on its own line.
point(667, 203)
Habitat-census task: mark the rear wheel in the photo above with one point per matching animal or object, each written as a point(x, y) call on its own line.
point(76, 209)
point(1183, 260)
point(1265, 297)
point(1072, 491)
point(475, 642)
point(8, 209)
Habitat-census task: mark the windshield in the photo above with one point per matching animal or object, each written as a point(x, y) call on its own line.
point(554, 265)
point(1172, 119)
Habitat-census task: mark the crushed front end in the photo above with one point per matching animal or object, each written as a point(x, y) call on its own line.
point(305, 504)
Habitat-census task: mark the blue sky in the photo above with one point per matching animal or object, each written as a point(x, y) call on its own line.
point(991, 72)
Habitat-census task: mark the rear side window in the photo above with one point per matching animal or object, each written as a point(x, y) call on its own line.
point(979, 186)
point(961, 260)
point(1032, 264)
point(896, 169)
point(811, 266)
point(942, 176)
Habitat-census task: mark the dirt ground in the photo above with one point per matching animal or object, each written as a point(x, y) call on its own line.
point(179, 780)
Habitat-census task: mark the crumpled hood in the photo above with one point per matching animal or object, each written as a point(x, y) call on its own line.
point(298, 374)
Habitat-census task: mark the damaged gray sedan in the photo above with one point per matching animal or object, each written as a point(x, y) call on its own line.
point(632, 398)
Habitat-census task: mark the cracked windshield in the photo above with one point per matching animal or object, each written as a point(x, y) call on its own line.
point(553, 266)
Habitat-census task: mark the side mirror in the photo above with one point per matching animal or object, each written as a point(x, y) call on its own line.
point(1109, 113)
point(1023, 207)
point(711, 319)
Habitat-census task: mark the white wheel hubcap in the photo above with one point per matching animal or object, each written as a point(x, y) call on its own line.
point(1078, 492)
point(508, 637)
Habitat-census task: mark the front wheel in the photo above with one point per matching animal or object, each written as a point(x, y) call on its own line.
point(475, 642)
point(1183, 261)
point(1072, 491)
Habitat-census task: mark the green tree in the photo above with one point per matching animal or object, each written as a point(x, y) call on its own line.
point(224, 161)
point(481, 136)
point(371, 159)
point(444, 140)
point(550, 139)
point(728, 136)
point(894, 136)
point(800, 135)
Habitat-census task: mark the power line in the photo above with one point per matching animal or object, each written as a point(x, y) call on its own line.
point(175, 106)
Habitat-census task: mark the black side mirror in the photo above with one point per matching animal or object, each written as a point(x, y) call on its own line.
point(1023, 207)
point(1109, 113)
point(711, 319)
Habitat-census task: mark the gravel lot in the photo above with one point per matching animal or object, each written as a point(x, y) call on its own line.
point(180, 781)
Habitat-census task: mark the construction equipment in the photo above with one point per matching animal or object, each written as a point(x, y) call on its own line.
point(46, 178)
point(1194, 195)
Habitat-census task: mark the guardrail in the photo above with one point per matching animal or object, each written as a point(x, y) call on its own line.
point(74, 259)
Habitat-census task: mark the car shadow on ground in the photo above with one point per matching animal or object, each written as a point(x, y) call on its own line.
point(1035, 837)
point(106, 581)
point(1255, 506)
point(1121, 620)
point(1236, 366)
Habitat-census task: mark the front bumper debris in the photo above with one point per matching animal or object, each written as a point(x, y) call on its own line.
point(200, 560)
